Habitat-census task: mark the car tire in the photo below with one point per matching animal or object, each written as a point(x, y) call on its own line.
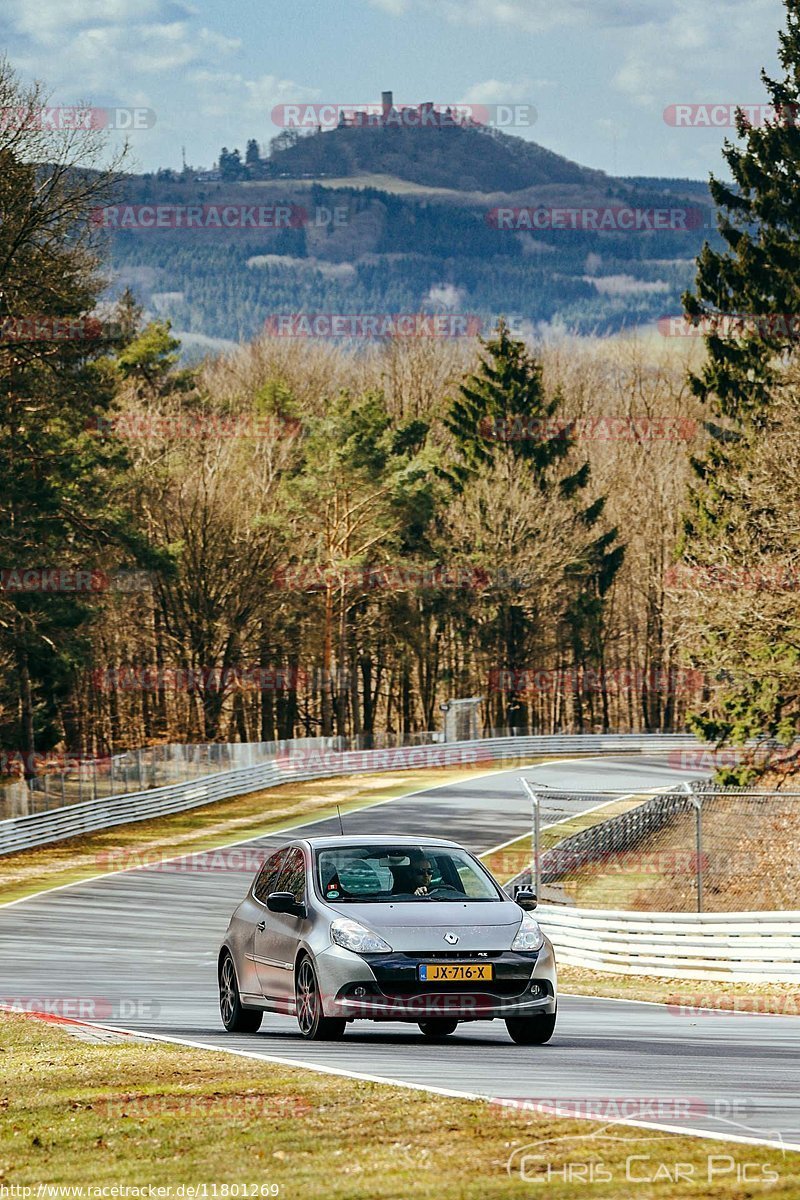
point(235, 1018)
point(438, 1027)
point(531, 1031)
point(310, 1019)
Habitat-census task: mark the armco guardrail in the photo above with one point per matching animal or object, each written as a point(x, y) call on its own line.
point(745, 946)
point(618, 834)
point(306, 763)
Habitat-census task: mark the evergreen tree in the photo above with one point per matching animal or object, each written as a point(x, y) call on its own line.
point(503, 413)
point(230, 164)
point(757, 278)
point(61, 509)
point(749, 364)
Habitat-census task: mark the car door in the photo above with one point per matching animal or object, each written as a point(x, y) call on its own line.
point(276, 944)
point(266, 882)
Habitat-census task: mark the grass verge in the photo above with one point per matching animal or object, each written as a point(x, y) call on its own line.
point(685, 996)
point(153, 1114)
point(218, 824)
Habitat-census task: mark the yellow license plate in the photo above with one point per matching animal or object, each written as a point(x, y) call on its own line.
point(455, 972)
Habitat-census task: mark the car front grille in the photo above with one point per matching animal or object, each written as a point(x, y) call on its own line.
point(493, 987)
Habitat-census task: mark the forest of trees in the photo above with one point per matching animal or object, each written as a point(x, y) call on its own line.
point(298, 539)
point(395, 254)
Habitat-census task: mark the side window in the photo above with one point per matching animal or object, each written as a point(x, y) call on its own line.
point(293, 875)
point(268, 876)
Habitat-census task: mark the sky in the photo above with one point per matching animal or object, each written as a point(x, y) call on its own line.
point(600, 73)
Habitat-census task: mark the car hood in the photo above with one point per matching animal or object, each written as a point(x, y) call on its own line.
point(414, 926)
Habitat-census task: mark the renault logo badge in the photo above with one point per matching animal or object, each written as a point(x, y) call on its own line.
point(451, 938)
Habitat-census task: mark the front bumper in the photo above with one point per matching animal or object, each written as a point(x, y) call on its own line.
point(386, 987)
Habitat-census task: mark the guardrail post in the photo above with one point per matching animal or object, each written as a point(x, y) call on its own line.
point(536, 839)
point(697, 801)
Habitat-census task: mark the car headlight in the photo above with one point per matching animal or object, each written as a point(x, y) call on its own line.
point(353, 936)
point(529, 935)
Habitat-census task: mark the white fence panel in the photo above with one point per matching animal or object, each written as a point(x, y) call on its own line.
point(750, 946)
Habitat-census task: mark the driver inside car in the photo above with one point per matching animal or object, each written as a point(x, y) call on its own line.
point(416, 877)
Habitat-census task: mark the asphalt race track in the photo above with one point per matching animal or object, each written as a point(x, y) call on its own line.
point(141, 947)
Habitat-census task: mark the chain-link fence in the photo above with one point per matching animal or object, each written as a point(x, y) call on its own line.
point(56, 780)
point(696, 847)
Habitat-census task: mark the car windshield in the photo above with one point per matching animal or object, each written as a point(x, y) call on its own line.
point(419, 874)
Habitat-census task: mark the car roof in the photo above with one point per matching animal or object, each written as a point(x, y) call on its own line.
point(332, 841)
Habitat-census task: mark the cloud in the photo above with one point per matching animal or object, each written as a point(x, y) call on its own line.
point(103, 42)
point(395, 8)
point(228, 94)
point(47, 20)
point(532, 16)
point(535, 16)
point(695, 43)
point(494, 91)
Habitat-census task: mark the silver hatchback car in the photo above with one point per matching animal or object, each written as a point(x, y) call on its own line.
point(336, 929)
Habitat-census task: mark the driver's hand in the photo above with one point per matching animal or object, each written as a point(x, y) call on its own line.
point(421, 891)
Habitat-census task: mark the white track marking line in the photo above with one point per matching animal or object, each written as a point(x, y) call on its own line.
point(433, 1089)
point(454, 1093)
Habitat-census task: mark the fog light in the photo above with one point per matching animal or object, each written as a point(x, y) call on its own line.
point(359, 991)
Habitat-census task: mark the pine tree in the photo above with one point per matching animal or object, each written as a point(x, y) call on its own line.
point(60, 505)
point(504, 413)
point(503, 409)
point(757, 278)
point(746, 378)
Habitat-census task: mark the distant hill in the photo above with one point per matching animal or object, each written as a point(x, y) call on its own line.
point(462, 158)
point(419, 234)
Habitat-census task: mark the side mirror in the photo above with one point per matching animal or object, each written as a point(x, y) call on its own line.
point(525, 898)
point(284, 902)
